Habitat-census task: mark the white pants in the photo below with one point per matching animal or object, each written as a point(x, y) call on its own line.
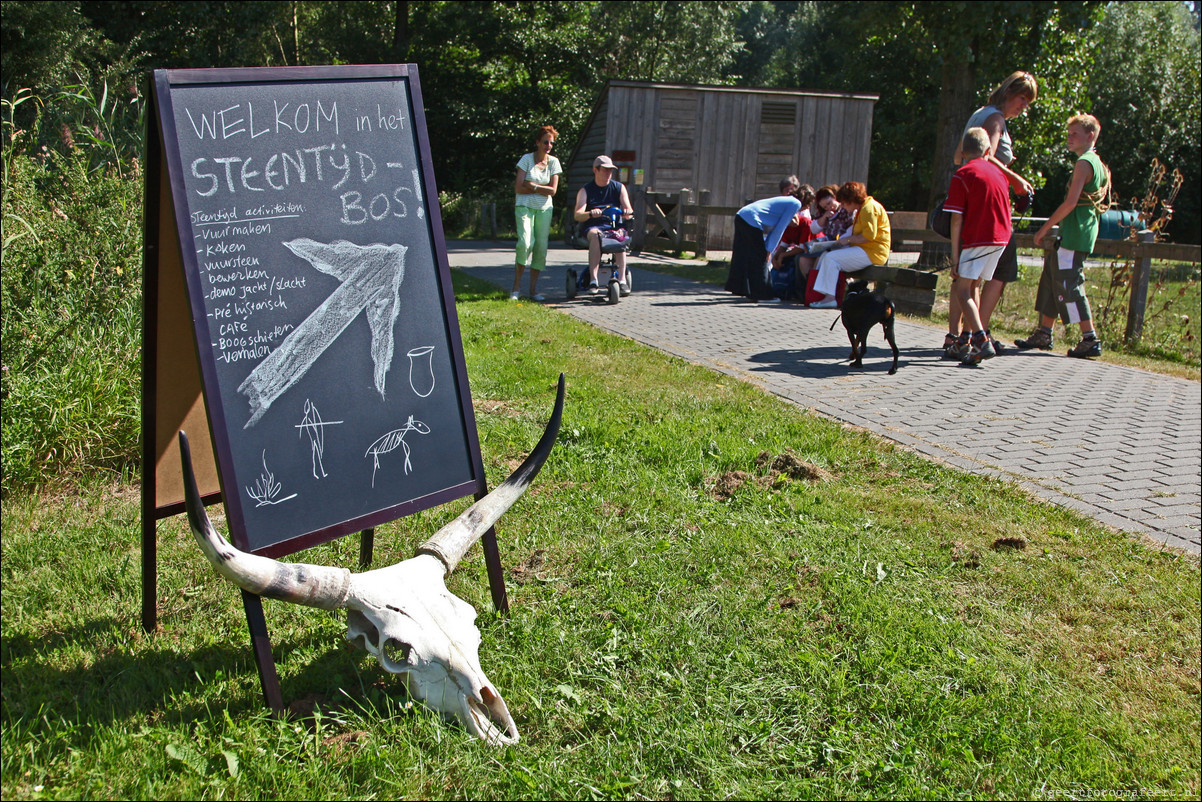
point(831, 263)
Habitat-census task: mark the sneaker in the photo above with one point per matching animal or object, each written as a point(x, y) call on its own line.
point(957, 350)
point(513, 296)
point(539, 297)
point(825, 303)
point(978, 351)
point(949, 346)
point(1039, 339)
point(623, 289)
point(593, 289)
point(1086, 348)
point(998, 348)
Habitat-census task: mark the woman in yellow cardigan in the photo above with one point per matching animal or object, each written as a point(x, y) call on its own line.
point(869, 239)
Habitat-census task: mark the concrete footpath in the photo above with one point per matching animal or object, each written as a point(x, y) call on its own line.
point(1121, 445)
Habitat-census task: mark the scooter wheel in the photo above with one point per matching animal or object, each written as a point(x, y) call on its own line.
point(614, 290)
point(570, 284)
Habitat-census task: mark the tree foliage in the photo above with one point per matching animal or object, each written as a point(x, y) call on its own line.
point(492, 71)
point(1145, 91)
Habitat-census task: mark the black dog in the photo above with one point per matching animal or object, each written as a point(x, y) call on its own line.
point(863, 309)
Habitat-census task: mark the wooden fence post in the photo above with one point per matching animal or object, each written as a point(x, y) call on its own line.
point(488, 219)
point(685, 197)
point(703, 223)
point(1138, 304)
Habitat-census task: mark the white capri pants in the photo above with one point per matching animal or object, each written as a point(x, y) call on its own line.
point(831, 263)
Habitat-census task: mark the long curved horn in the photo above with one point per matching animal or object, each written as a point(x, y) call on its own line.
point(311, 585)
point(450, 543)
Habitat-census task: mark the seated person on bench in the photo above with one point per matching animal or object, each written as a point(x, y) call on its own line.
point(591, 202)
point(869, 242)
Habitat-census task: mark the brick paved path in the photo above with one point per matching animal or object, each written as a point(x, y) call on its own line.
point(1124, 447)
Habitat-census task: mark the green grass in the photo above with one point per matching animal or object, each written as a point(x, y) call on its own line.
point(686, 621)
point(71, 327)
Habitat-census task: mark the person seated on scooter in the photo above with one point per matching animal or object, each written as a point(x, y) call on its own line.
point(591, 202)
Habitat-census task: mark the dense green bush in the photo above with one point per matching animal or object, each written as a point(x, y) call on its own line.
point(70, 279)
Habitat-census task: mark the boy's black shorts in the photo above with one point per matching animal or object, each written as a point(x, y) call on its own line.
point(1007, 265)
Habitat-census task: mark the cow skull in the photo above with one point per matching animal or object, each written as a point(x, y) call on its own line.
point(403, 614)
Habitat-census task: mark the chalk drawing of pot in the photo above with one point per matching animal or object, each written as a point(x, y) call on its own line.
point(421, 370)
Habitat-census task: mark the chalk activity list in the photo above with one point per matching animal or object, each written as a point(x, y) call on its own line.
point(308, 242)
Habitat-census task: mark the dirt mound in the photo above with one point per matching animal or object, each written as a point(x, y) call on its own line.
point(792, 466)
point(781, 466)
point(726, 484)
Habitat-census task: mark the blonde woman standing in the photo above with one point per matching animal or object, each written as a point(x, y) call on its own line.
point(1009, 101)
point(534, 185)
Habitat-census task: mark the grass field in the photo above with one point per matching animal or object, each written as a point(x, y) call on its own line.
point(714, 594)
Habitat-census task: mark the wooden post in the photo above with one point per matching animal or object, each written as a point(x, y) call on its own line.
point(703, 223)
point(685, 193)
point(1138, 304)
point(488, 219)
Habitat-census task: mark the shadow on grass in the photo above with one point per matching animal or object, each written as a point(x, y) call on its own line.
point(172, 685)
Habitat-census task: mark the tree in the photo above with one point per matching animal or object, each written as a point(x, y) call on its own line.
point(1145, 91)
point(978, 44)
point(41, 44)
point(208, 33)
point(666, 41)
point(933, 64)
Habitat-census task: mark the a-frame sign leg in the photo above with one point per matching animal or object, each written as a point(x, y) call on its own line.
point(150, 579)
point(496, 572)
point(269, 679)
point(367, 542)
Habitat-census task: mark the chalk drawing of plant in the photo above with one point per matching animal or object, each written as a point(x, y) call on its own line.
point(267, 488)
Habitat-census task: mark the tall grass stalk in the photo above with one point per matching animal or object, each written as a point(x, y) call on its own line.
point(70, 302)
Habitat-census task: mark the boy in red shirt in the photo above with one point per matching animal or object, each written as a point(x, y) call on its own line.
point(979, 200)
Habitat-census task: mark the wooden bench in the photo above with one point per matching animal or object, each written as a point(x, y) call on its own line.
point(912, 291)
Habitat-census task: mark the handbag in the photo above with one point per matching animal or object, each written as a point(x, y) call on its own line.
point(940, 220)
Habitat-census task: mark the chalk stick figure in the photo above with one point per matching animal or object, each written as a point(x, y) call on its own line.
point(314, 426)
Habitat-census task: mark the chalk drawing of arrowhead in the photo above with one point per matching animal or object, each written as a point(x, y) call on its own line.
point(371, 278)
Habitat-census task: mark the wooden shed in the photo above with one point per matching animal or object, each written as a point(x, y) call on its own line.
point(737, 143)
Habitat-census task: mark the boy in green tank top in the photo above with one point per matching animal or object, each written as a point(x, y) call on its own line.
point(1062, 290)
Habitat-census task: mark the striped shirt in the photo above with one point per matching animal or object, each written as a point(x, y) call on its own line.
point(539, 174)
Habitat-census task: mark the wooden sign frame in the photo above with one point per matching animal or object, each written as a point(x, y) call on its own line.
point(182, 384)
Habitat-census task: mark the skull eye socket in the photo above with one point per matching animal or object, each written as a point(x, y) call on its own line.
point(396, 651)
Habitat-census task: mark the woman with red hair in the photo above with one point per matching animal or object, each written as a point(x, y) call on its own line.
point(867, 244)
point(534, 185)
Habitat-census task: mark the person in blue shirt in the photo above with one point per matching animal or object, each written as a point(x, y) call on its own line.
point(759, 227)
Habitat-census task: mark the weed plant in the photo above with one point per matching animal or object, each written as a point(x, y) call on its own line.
point(70, 281)
point(1172, 327)
point(713, 594)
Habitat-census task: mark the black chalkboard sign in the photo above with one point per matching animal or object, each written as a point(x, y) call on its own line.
point(320, 295)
